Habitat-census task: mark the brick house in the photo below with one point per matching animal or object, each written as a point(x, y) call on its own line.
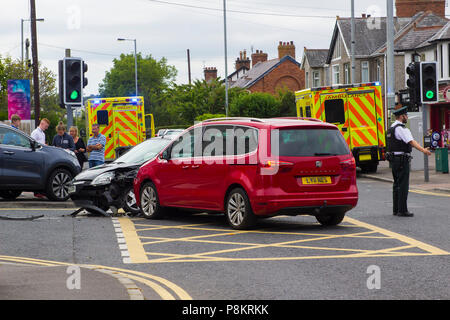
point(269, 75)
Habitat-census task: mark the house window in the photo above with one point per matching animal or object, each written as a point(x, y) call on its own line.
point(337, 48)
point(378, 70)
point(347, 73)
point(365, 71)
point(307, 79)
point(448, 60)
point(316, 79)
point(441, 60)
point(336, 74)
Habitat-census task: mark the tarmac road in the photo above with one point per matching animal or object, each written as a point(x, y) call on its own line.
point(371, 255)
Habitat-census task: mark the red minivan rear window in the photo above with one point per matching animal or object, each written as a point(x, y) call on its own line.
point(308, 142)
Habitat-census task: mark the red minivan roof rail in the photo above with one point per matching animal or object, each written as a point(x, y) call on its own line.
point(299, 118)
point(234, 118)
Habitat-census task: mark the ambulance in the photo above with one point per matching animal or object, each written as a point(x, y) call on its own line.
point(357, 110)
point(122, 121)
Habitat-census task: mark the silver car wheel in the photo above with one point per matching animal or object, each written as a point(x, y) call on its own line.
point(60, 185)
point(148, 201)
point(131, 200)
point(236, 209)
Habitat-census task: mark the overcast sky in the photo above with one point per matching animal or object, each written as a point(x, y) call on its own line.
point(167, 28)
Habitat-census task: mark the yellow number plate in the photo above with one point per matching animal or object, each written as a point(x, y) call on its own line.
point(316, 180)
point(365, 157)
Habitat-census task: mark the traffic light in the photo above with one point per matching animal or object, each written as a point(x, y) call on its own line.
point(413, 83)
point(428, 83)
point(73, 81)
point(85, 80)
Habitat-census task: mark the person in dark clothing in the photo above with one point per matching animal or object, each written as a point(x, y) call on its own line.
point(80, 146)
point(401, 143)
point(63, 139)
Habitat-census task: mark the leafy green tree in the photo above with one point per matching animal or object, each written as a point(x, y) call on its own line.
point(257, 104)
point(288, 106)
point(49, 100)
point(207, 116)
point(154, 79)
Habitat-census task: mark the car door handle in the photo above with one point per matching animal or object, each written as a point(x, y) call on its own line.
point(195, 167)
point(185, 167)
point(8, 152)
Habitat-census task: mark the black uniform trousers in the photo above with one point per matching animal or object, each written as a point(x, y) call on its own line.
point(400, 172)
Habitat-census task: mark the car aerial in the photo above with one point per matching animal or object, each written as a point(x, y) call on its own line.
point(249, 168)
point(26, 165)
point(111, 185)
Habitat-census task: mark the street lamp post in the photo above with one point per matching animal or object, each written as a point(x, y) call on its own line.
point(21, 32)
point(135, 61)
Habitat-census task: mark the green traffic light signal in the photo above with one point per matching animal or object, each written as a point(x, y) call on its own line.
point(74, 95)
point(430, 94)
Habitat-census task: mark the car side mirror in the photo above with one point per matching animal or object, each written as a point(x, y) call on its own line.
point(33, 144)
point(165, 155)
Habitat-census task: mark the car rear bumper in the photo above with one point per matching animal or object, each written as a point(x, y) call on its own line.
point(307, 204)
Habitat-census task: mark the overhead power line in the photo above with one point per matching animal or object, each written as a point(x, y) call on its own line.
point(243, 12)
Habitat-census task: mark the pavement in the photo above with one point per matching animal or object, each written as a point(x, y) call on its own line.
point(437, 181)
point(23, 281)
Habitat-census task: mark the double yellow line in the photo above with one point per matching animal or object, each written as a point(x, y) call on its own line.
point(164, 288)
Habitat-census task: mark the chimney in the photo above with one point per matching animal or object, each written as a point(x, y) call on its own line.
point(408, 8)
point(210, 73)
point(243, 60)
point(286, 49)
point(259, 56)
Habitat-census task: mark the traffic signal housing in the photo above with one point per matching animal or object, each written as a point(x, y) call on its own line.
point(73, 81)
point(413, 83)
point(428, 82)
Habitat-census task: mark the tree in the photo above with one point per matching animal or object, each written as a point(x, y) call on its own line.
point(154, 79)
point(257, 104)
point(14, 69)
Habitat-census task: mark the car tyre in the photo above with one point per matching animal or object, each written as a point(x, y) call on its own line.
point(58, 185)
point(150, 202)
point(130, 204)
point(330, 219)
point(10, 194)
point(238, 210)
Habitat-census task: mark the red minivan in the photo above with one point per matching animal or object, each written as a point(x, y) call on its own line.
point(249, 168)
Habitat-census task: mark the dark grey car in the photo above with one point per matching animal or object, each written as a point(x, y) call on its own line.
point(26, 165)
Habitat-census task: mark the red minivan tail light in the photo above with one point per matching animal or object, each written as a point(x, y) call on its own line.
point(349, 164)
point(274, 163)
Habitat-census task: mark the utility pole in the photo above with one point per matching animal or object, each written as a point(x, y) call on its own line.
point(189, 65)
point(34, 53)
point(424, 130)
point(390, 56)
point(353, 43)
point(226, 58)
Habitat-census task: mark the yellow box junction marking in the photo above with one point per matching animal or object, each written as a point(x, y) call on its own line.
point(138, 242)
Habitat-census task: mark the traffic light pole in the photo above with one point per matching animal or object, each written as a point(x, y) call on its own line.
point(425, 129)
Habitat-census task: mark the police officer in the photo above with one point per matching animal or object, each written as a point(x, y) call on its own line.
point(401, 142)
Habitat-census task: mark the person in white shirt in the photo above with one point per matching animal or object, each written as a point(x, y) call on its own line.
point(38, 134)
point(401, 143)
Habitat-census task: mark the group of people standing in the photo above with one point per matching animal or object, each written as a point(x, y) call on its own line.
point(72, 141)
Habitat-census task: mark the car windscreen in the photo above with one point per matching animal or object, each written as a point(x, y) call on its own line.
point(308, 142)
point(144, 151)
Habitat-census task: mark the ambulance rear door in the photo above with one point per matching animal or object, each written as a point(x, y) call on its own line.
point(334, 109)
point(363, 120)
point(125, 124)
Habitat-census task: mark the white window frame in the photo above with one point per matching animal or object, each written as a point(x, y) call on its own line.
point(316, 79)
point(363, 68)
point(334, 73)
